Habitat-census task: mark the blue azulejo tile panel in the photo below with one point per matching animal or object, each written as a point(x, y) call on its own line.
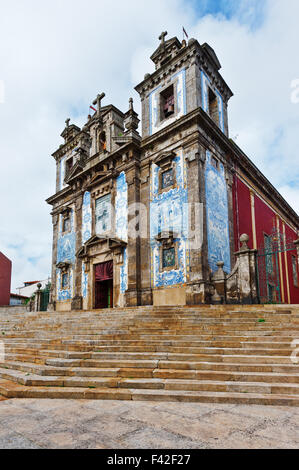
point(121, 207)
point(124, 273)
point(66, 253)
point(84, 282)
point(64, 293)
point(86, 217)
point(179, 79)
point(66, 244)
point(205, 99)
point(217, 216)
point(169, 213)
point(121, 224)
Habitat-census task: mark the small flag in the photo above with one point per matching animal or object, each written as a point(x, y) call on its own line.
point(91, 107)
point(184, 32)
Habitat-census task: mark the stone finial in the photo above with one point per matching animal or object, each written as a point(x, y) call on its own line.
point(131, 117)
point(67, 122)
point(39, 286)
point(244, 239)
point(219, 274)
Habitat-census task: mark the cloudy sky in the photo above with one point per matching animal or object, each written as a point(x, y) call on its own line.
point(56, 56)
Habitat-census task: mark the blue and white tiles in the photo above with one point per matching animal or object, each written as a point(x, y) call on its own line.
point(217, 216)
point(66, 253)
point(169, 213)
point(121, 225)
point(86, 218)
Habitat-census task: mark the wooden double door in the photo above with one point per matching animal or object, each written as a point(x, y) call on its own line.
point(104, 285)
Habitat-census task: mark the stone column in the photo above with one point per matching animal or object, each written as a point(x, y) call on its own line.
point(38, 299)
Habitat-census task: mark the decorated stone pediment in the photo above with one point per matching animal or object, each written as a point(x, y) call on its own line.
point(75, 171)
point(65, 211)
point(113, 243)
point(101, 177)
point(166, 238)
point(164, 160)
point(63, 266)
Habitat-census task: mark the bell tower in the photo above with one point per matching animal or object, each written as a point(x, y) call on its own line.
point(186, 77)
point(184, 178)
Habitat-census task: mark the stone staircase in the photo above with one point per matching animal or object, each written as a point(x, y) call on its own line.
point(221, 354)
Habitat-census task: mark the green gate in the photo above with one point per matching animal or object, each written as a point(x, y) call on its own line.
point(268, 266)
point(45, 297)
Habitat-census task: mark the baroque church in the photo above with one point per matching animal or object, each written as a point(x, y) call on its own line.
point(174, 215)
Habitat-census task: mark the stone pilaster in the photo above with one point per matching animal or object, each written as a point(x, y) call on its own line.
point(229, 173)
point(296, 243)
point(145, 247)
point(77, 299)
point(196, 287)
point(133, 249)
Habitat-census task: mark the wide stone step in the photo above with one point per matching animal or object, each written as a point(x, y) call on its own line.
point(41, 357)
point(95, 367)
point(153, 384)
point(213, 375)
point(13, 390)
point(179, 343)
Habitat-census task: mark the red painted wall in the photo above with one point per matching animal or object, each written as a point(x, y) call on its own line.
point(265, 222)
point(242, 212)
point(294, 291)
point(5, 280)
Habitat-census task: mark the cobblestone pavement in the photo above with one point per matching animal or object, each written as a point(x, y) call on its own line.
point(94, 424)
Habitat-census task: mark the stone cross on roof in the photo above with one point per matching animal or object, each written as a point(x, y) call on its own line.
point(162, 37)
point(97, 101)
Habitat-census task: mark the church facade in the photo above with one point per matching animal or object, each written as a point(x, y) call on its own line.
point(149, 219)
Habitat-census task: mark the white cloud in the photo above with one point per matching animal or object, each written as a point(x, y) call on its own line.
point(55, 57)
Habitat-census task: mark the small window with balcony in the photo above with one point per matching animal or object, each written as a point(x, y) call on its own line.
point(167, 103)
point(65, 280)
point(213, 107)
point(103, 142)
point(66, 224)
point(215, 163)
point(168, 258)
point(167, 179)
point(68, 166)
